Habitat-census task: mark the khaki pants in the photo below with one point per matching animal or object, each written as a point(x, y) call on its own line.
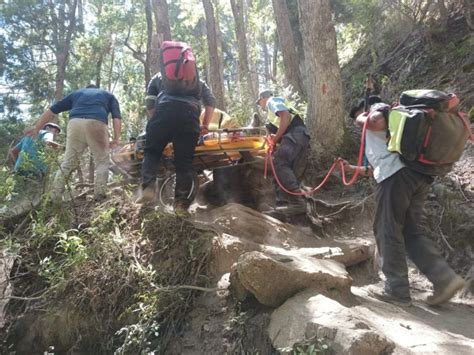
point(83, 133)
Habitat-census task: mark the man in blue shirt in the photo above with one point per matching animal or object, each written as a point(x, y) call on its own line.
point(288, 129)
point(89, 109)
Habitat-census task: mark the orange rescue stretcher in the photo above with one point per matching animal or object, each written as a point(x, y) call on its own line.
point(217, 149)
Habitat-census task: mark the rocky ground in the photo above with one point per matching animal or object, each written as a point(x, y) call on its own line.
point(279, 287)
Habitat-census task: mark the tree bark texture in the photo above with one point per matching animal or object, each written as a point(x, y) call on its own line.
point(468, 10)
point(266, 59)
point(156, 34)
point(248, 92)
point(276, 46)
point(150, 64)
point(62, 41)
point(289, 52)
point(325, 115)
point(215, 62)
point(162, 20)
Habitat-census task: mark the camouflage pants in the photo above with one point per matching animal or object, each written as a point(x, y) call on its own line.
point(290, 159)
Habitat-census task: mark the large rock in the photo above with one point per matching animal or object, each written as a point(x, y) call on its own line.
point(240, 229)
point(309, 315)
point(273, 278)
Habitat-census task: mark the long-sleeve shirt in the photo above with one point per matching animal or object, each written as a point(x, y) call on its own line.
point(89, 103)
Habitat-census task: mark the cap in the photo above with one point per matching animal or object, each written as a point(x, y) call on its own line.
point(359, 105)
point(374, 99)
point(263, 95)
point(52, 125)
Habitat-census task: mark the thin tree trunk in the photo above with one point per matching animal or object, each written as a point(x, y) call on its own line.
point(63, 45)
point(468, 9)
point(112, 62)
point(288, 47)
point(216, 70)
point(275, 58)
point(325, 115)
point(247, 90)
point(266, 59)
point(220, 47)
point(150, 64)
point(98, 70)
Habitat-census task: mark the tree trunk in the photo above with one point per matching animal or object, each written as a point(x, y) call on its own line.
point(288, 48)
point(443, 13)
point(63, 45)
point(266, 59)
point(215, 62)
point(150, 43)
point(275, 58)
point(325, 115)
point(162, 22)
point(468, 9)
point(248, 92)
point(162, 33)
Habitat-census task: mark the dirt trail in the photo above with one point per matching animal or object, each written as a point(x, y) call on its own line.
point(420, 329)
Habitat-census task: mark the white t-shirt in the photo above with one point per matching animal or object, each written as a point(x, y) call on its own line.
point(385, 163)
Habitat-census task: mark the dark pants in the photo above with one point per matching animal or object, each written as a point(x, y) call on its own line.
point(178, 123)
point(289, 156)
point(400, 200)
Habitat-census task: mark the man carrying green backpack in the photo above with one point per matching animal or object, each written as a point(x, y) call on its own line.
point(404, 146)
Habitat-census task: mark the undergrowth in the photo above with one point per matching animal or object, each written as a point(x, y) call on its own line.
point(102, 278)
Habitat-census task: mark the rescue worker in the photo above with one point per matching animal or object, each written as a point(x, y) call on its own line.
point(289, 130)
point(400, 196)
point(174, 118)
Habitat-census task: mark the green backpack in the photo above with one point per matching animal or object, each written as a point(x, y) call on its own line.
point(428, 131)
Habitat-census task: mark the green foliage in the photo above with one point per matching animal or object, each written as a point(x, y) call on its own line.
point(108, 260)
point(311, 346)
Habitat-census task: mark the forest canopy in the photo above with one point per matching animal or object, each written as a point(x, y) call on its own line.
point(52, 47)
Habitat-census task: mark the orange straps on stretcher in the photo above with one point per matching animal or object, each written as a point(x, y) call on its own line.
point(338, 163)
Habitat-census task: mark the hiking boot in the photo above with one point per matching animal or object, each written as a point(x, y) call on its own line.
point(385, 296)
point(147, 194)
point(181, 209)
point(444, 294)
point(296, 205)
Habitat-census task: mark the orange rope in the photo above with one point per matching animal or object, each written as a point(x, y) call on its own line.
point(338, 163)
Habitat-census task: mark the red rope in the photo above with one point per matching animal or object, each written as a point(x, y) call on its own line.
point(338, 163)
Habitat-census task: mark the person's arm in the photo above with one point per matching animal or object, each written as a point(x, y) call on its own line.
point(285, 119)
point(209, 101)
point(153, 89)
point(46, 117)
point(208, 112)
point(117, 125)
point(13, 154)
point(48, 140)
point(363, 170)
point(376, 121)
point(116, 122)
